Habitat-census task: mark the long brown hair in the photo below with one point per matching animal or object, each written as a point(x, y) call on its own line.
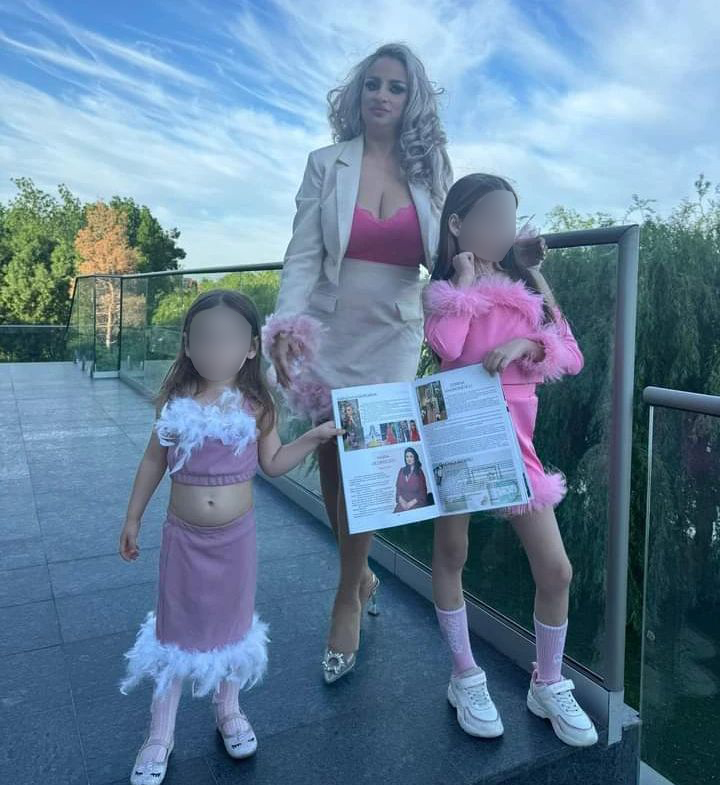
point(460, 200)
point(182, 378)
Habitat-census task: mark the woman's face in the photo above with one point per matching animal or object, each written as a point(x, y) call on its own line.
point(384, 94)
point(219, 342)
point(488, 230)
point(409, 459)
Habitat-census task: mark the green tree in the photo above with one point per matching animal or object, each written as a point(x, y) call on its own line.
point(157, 247)
point(37, 260)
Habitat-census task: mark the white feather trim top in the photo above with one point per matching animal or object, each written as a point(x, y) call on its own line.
point(185, 424)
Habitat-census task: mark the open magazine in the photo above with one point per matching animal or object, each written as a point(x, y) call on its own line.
point(439, 445)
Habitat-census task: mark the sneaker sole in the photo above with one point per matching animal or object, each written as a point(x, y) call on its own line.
point(472, 731)
point(538, 711)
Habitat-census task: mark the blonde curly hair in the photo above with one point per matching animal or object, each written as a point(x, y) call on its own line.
point(421, 141)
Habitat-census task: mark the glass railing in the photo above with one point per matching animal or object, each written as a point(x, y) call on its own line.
point(680, 678)
point(575, 432)
point(572, 435)
point(81, 333)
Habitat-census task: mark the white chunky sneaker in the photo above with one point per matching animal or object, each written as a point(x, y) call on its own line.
point(556, 702)
point(476, 712)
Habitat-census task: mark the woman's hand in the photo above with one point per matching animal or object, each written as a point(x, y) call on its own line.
point(464, 266)
point(325, 432)
point(498, 359)
point(284, 350)
point(530, 251)
point(128, 540)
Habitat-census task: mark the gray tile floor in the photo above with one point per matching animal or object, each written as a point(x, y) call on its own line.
point(69, 608)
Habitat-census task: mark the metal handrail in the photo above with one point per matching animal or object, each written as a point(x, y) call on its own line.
point(698, 403)
point(253, 268)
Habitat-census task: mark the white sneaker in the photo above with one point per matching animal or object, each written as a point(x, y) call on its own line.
point(556, 702)
point(476, 712)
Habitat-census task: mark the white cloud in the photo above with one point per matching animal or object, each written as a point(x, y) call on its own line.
point(212, 130)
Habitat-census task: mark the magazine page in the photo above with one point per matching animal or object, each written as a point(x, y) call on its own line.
point(470, 439)
point(382, 457)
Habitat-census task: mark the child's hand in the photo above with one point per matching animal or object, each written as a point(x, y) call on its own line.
point(464, 266)
point(128, 541)
point(323, 433)
point(498, 359)
point(530, 251)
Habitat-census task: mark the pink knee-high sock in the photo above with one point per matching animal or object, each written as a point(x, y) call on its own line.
point(162, 721)
point(226, 704)
point(549, 644)
point(454, 628)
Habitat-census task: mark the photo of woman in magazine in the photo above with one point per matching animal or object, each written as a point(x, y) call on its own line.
point(432, 403)
point(350, 423)
point(411, 487)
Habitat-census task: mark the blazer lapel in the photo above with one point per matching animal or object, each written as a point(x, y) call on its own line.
point(421, 199)
point(349, 165)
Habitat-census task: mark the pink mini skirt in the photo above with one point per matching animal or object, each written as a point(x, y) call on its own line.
point(548, 488)
point(205, 628)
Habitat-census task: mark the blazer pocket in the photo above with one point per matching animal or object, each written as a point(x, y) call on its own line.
point(323, 301)
point(409, 310)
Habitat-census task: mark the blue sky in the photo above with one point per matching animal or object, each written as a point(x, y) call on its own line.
point(206, 111)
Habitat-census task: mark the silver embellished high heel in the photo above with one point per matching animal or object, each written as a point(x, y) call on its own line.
point(337, 664)
point(372, 601)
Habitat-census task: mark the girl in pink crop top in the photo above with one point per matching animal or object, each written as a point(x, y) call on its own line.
point(209, 444)
point(216, 426)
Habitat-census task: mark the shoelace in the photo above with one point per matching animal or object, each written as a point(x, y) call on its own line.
point(479, 695)
point(567, 702)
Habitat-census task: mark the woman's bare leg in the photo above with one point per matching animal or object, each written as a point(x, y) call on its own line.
point(356, 577)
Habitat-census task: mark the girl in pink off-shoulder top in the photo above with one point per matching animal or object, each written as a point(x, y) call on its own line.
point(482, 307)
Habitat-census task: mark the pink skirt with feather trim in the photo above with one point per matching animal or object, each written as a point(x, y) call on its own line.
point(206, 629)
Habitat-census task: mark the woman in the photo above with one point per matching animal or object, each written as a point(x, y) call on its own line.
point(414, 433)
point(411, 486)
point(349, 308)
point(367, 219)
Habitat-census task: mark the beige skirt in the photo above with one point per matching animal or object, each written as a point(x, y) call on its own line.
point(373, 322)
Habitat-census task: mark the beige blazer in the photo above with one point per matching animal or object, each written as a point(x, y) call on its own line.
point(323, 221)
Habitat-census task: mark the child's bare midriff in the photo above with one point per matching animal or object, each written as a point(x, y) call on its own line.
point(210, 505)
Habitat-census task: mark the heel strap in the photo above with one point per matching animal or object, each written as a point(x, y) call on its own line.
point(166, 745)
point(236, 715)
point(157, 743)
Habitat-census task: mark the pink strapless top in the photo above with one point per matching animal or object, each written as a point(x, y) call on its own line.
point(209, 444)
point(393, 240)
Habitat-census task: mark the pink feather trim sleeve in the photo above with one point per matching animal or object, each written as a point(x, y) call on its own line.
point(448, 312)
point(445, 299)
point(304, 328)
point(562, 355)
